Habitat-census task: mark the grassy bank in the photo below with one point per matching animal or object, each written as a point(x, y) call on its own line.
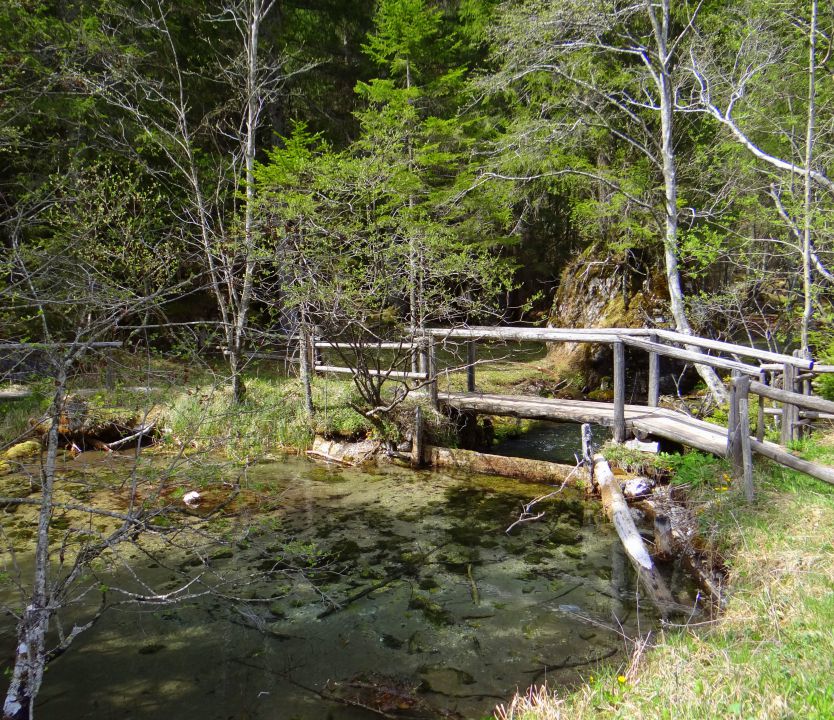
point(769, 655)
point(200, 413)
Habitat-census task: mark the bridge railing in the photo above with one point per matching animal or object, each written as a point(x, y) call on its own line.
point(767, 368)
point(740, 444)
point(788, 370)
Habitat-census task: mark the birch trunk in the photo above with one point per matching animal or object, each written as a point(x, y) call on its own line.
point(662, 77)
point(807, 277)
point(255, 14)
point(30, 654)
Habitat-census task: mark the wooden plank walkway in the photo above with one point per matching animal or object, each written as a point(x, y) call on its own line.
point(660, 422)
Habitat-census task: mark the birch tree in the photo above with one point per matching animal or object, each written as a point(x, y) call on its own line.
point(761, 89)
point(72, 275)
point(169, 115)
point(609, 68)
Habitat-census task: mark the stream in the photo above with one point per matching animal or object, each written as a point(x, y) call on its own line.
point(412, 600)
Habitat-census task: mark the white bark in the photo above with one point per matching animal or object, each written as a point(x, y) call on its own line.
point(30, 656)
point(663, 81)
point(807, 276)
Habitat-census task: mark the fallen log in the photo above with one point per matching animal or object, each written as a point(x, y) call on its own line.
point(144, 430)
point(706, 568)
point(524, 468)
point(620, 515)
point(15, 394)
point(343, 453)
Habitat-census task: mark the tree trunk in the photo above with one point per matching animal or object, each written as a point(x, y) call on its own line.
point(670, 243)
point(807, 278)
point(306, 370)
point(253, 100)
point(30, 654)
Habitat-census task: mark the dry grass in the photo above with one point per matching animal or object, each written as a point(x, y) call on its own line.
point(768, 657)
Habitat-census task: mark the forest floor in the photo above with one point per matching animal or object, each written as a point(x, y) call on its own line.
point(768, 655)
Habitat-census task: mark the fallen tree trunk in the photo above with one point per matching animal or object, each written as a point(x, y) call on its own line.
point(524, 468)
point(144, 430)
point(619, 513)
point(343, 453)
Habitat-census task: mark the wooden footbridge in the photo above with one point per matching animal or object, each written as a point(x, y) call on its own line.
point(780, 378)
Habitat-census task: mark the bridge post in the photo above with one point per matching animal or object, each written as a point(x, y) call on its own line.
point(790, 413)
point(470, 366)
point(654, 376)
point(431, 350)
point(619, 392)
point(109, 370)
point(417, 439)
point(734, 454)
point(745, 472)
point(760, 418)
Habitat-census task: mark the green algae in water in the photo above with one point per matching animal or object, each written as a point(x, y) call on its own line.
point(413, 576)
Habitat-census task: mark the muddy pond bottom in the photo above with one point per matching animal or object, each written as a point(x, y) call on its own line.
point(414, 603)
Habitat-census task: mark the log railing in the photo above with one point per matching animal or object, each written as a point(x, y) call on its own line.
point(750, 369)
point(740, 445)
point(797, 408)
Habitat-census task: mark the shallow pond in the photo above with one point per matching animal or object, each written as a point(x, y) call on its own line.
point(416, 602)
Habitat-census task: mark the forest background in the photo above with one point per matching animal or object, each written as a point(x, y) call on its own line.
point(223, 173)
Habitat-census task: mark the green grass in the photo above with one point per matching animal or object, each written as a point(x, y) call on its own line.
point(271, 417)
point(16, 416)
point(769, 654)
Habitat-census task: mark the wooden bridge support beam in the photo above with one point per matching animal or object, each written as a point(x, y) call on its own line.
point(470, 366)
point(790, 412)
point(619, 392)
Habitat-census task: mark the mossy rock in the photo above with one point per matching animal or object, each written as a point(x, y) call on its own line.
point(26, 449)
point(433, 611)
point(5, 468)
point(277, 611)
point(601, 395)
point(564, 534)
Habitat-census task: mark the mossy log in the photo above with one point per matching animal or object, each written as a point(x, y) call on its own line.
point(523, 468)
point(344, 453)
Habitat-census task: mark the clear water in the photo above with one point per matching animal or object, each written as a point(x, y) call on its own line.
point(559, 442)
point(416, 601)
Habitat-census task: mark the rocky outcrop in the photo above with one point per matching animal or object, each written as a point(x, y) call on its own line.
point(598, 291)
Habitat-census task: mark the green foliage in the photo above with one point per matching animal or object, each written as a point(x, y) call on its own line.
point(697, 470)
point(639, 462)
point(16, 415)
point(402, 38)
point(824, 384)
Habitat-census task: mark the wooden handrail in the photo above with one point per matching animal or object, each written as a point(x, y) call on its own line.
point(693, 357)
point(808, 402)
point(595, 335)
point(377, 345)
point(398, 374)
point(776, 361)
point(734, 349)
point(44, 346)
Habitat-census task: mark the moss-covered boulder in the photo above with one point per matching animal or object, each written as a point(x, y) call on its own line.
point(21, 451)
